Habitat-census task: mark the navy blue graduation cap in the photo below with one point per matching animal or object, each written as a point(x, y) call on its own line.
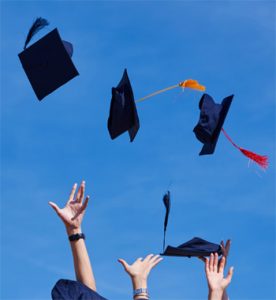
point(212, 117)
point(73, 290)
point(123, 113)
point(47, 63)
point(194, 247)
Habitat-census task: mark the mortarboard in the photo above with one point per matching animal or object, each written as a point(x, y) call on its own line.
point(194, 247)
point(212, 117)
point(47, 63)
point(66, 289)
point(123, 114)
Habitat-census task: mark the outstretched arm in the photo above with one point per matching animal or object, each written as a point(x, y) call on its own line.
point(139, 272)
point(72, 215)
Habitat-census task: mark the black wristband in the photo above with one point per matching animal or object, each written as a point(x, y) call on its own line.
point(75, 237)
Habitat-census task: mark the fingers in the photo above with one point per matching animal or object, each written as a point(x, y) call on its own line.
point(215, 265)
point(207, 265)
point(123, 263)
point(221, 265)
point(85, 202)
point(229, 275)
point(227, 247)
point(82, 209)
point(72, 194)
point(148, 257)
point(202, 258)
point(55, 207)
point(155, 260)
point(211, 263)
point(138, 259)
point(80, 193)
point(222, 248)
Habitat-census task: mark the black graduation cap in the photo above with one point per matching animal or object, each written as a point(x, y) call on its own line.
point(47, 63)
point(66, 289)
point(123, 113)
point(212, 116)
point(194, 247)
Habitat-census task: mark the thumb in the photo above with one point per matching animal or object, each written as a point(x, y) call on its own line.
point(55, 207)
point(229, 275)
point(124, 263)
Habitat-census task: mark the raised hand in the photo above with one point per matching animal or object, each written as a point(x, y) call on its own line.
point(141, 268)
point(139, 272)
point(215, 278)
point(72, 215)
point(73, 212)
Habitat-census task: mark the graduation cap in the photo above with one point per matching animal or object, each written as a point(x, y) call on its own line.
point(47, 63)
point(194, 247)
point(207, 131)
point(73, 290)
point(212, 117)
point(123, 114)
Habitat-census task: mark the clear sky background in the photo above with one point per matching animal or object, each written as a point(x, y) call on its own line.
point(229, 46)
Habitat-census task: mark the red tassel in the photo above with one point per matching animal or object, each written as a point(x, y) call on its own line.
point(261, 160)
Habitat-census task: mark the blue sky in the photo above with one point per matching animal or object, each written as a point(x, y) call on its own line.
point(229, 46)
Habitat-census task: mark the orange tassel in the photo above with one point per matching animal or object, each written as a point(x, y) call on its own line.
point(261, 160)
point(192, 84)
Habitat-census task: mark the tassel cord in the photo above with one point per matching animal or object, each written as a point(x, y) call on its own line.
point(157, 92)
point(229, 139)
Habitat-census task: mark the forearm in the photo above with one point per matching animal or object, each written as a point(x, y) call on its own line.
point(82, 265)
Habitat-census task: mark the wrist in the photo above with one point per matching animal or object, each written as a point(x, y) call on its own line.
point(139, 282)
point(215, 294)
point(73, 230)
point(141, 294)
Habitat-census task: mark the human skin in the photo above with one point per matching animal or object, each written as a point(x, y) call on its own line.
point(139, 272)
point(72, 215)
point(217, 283)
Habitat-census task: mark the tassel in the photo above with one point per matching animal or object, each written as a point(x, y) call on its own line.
point(261, 160)
point(189, 83)
point(38, 24)
point(192, 84)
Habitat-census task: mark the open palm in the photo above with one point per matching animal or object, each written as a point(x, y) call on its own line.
point(214, 272)
point(141, 267)
point(73, 212)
